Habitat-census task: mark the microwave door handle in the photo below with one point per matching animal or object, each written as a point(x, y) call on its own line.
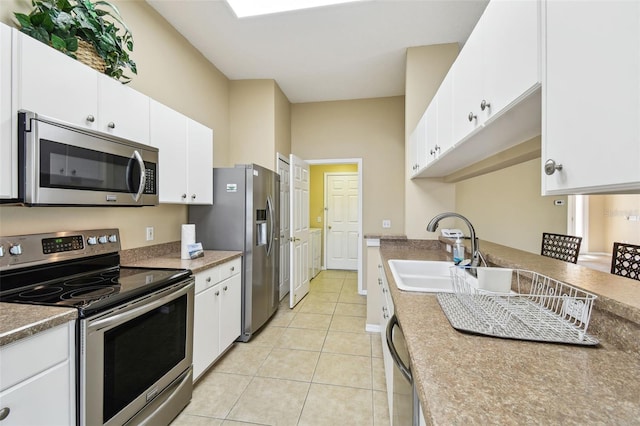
point(143, 175)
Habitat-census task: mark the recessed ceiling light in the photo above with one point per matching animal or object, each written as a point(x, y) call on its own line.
point(244, 8)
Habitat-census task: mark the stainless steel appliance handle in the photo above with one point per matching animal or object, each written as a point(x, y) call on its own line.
point(271, 225)
point(143, 174)
point(406, 371)
point(129, 312)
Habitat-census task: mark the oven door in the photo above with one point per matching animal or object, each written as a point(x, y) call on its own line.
point(138, 355)
point(65, 165)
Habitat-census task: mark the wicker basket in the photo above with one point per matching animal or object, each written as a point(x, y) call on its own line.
point(87, 54)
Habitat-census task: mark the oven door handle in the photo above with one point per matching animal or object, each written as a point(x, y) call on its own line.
point(146, 305)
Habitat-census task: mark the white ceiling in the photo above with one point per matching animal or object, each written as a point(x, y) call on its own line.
point(349, 51)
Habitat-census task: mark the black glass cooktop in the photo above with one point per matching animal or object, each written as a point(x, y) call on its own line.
point(88, 286)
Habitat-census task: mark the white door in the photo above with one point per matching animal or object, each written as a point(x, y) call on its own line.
point(285, 227)
point(341, 201)
point(299, 217)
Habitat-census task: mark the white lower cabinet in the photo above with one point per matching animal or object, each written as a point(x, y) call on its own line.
point(37, 379)
point(386, 311)
point(217, 314)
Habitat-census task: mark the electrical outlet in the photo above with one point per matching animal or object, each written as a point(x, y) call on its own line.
point(386, 223)
point(150, 235)
point(319, 219)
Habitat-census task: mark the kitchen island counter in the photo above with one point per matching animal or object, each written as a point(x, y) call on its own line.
point(469, 379)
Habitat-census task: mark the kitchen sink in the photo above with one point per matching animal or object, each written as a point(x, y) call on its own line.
point(428, 276)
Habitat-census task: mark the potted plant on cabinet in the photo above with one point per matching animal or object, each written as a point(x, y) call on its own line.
point(79, 29)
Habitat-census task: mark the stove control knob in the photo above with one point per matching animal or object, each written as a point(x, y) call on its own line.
point(15, 249)
point(102, 239)
point(113, 238)
point(92, 241)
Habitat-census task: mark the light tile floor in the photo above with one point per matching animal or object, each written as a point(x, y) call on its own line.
point(312, 365)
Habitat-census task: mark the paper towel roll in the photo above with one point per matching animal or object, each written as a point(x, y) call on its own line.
point(188, 237)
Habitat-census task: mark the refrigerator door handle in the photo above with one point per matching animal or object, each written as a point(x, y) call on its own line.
point(271, 225)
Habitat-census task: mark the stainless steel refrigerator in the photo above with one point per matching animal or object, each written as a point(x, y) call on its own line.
point(245, 217)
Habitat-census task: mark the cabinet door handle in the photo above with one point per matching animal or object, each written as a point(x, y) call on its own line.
point(4, 413)
point(91, 118)
point(111, 125)
point(184, 196)
point(217, 293)
point(208, 279)
point(225, 288)
point(472, 116)
point(233, 268)
point(550, 167)
point(484, 105)
point(193, 196)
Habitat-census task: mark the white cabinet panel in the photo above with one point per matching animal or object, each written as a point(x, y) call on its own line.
point(206, 328)
point(586, 71)
point(200, 163)
point(50, 83)
point(122, 111)
point(467, 85)
point(230, 308)
point(8, 144)
point(185, 157)
point(37, 378)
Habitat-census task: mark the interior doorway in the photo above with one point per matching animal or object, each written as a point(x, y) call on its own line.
point(318, 213)
point(341, 194)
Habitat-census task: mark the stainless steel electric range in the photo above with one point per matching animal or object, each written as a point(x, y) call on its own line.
point(134, 329)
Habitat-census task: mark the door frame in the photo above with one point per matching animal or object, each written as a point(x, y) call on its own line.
point(325, 201)
point(358, 162)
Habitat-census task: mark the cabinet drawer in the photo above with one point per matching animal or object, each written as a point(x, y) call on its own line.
point(207, 278)
point(230, 268)
point(32, 355)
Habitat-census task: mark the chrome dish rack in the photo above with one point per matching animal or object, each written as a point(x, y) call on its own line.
point(539, 309)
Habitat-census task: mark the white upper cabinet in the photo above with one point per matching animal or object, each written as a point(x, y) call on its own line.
point(185, 157)
point(200, 163)
point(591, 62)
point(490, 99)
point(122, 111)
point(8, 144)
point(50, 83)
point(417, 147)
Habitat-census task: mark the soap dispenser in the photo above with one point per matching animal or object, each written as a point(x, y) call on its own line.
point(458, 251)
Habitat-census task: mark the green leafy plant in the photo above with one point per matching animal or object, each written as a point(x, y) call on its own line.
point(60, 23)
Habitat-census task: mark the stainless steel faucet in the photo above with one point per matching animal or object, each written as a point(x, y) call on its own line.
point(475, 252)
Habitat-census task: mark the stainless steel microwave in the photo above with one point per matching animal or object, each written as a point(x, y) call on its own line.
point(62, 164)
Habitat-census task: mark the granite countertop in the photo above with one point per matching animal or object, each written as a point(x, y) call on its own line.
point(210, 259)
point(469, 379)
point(18, 321)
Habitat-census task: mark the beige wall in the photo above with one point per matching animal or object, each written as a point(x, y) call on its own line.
point(260, 122)
point(426, 67)
point(371, 129)
point(608, 221)
point(171, 71)
point(283, 125)
point(506, 207)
